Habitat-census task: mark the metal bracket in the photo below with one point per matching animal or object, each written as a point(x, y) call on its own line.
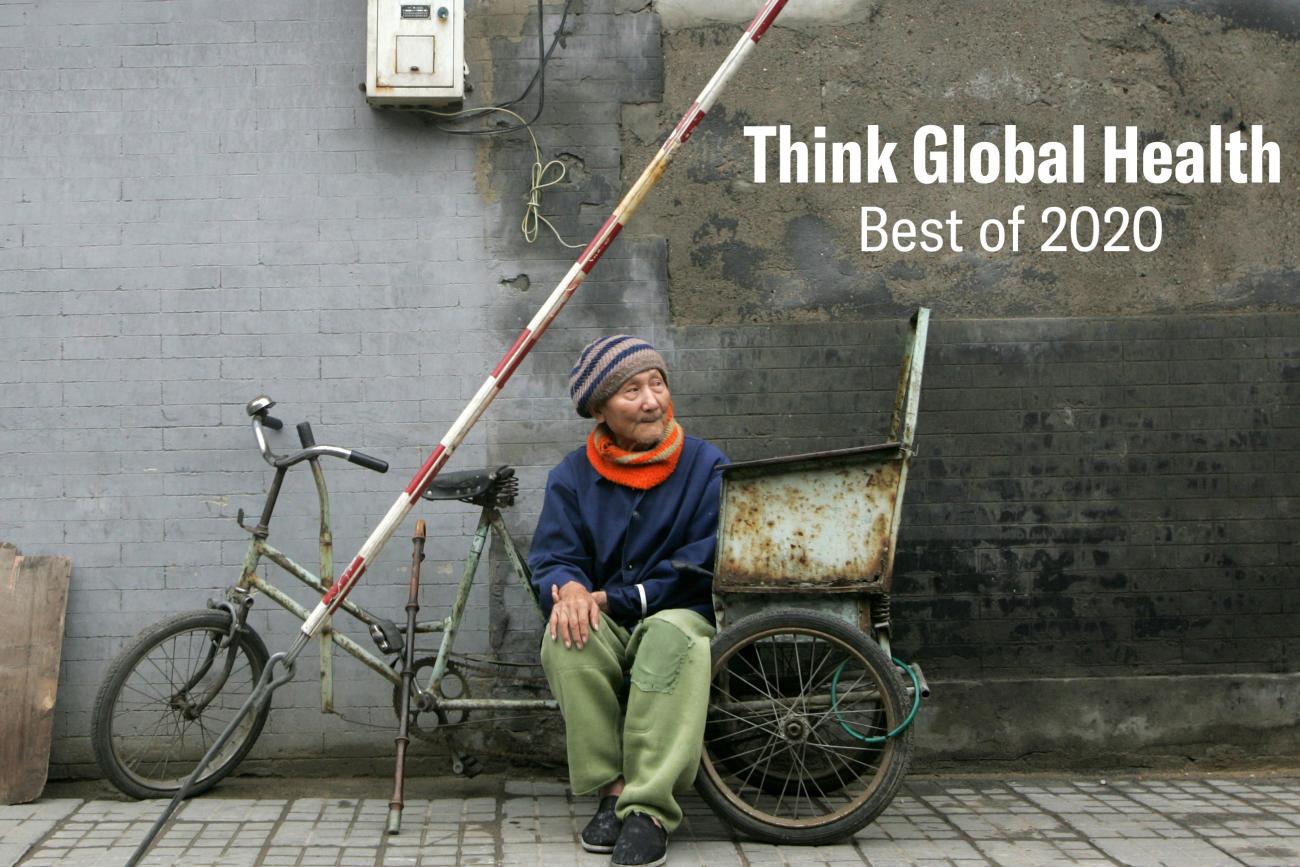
point(261, 531)
point(238, 615)
point(922, 683)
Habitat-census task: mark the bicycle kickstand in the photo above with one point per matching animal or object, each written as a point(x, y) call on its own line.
point(408, 676)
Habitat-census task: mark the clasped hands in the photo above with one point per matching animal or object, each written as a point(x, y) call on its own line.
point(575, 611)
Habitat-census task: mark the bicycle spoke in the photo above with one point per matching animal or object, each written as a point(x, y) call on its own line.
point(784, 785)
point(864, 702)
point(798, 757)
point(166, 754)
point(753, 722)
point(831, 759)
point(771, 742)
point(812, 681)
point(171, 662)
point(154, 732)
point(847, 748)
point(839, 693)
point(835, 711)
point(866, 725)
point(149, 699)
point(737, 717)
point(837, 751)
point(731, 756)
point(166, 679)
point(204, 734)
point(799, 699)
point(814, 728)
point(781, 748)
point(776, 707)
point(761, 689)
point(732, 734)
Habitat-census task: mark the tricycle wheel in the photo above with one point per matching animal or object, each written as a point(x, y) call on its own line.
point(794, 744)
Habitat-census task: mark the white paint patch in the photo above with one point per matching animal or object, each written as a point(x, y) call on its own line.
point(682, 14)
point(1005, 85)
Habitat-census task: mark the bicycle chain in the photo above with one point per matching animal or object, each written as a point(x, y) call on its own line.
point(498, 669)
point(460, 666)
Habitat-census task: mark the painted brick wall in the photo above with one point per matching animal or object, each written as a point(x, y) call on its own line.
point(1091, 496)
point(196, 205)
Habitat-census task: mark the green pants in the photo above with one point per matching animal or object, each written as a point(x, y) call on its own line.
point(658, 750)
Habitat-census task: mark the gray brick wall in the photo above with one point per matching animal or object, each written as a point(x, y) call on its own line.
point(198, 206)
point(1091, 497)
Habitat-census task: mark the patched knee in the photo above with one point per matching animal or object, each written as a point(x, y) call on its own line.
point(664, 650)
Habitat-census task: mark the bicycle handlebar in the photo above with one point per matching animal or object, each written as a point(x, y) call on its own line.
point(262, 419)
point(364, 460)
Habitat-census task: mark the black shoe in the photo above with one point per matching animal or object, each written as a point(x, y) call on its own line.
point(641, 844)
point(602, 831)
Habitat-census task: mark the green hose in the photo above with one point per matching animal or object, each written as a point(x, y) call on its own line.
point(877, 739)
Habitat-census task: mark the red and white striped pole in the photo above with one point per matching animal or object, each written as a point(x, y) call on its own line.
point(533, 331)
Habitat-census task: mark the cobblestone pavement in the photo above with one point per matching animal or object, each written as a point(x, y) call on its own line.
point(493, 820)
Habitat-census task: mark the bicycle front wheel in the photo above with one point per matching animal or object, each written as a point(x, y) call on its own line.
point(166, 700)
point(795, 745)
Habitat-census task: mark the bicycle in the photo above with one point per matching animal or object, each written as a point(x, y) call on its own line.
point(808, 732)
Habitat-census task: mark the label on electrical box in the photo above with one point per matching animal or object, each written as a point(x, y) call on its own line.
point(416, 11)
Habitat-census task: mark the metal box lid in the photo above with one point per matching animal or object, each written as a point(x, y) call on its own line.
point(821, 521)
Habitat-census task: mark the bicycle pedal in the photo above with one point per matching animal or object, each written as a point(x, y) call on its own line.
point(466, 766)
point(387, 637)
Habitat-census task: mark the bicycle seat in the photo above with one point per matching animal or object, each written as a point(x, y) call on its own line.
point(475, 486)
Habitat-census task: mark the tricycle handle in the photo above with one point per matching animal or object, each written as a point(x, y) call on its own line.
point(907, 400)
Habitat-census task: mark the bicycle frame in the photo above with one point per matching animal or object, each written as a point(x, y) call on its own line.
point(490, 521)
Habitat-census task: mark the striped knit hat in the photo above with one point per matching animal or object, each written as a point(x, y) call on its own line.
point(605, 365)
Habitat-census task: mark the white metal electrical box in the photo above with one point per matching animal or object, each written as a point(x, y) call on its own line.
point(415, 52)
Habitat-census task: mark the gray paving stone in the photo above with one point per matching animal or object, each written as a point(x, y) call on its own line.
point(1158, 853)
point(1186, 823)
point(1273, 852)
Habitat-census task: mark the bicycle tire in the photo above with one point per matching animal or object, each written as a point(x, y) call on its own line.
point(143, 741)
point(782, 761)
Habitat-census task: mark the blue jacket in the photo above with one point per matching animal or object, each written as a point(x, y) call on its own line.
point(610, 537)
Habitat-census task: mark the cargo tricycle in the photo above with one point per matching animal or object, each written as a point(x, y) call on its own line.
point(808, 732)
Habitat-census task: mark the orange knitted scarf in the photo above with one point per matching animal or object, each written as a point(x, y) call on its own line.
point(640, 470)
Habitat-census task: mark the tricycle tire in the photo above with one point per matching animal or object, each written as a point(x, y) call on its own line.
point(794, 745)
point(147, 731)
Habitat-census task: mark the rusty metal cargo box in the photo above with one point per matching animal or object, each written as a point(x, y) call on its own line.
point(825, 521)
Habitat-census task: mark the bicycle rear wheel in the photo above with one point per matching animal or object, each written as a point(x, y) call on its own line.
point(793, 746)
point(168, 696)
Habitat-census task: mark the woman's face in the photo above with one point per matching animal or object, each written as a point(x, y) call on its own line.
point(638, 412)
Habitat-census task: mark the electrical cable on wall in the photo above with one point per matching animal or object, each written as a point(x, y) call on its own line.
point(538, 80)
point(533, 217)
